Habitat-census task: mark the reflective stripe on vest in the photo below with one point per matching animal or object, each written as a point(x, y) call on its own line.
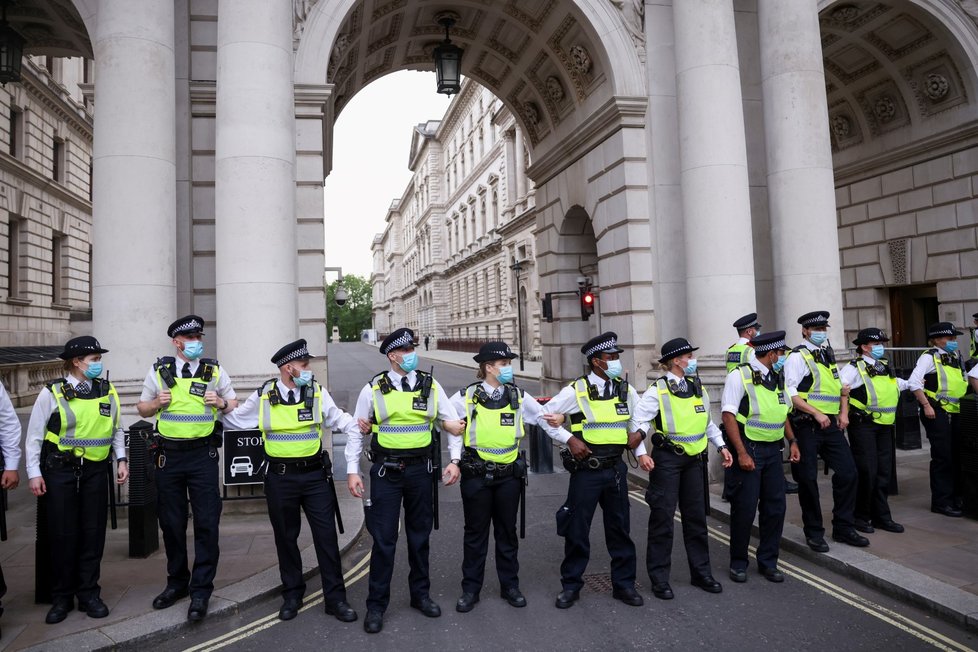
point(825, 393)
point(291, 430)
point(187, 416)
point(737, 355)
point(602, 424)
point(684, 420)
point(399, 425)
point(485, 432)
point(85, 426)
point(950, 386)
point(767, 410)
point(882, 396)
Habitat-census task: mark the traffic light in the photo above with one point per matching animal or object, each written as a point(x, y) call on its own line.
point(587, 304)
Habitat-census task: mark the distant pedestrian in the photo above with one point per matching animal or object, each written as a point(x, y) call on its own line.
point(427, 341)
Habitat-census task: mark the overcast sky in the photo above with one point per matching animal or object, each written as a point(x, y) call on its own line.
point(372, 139)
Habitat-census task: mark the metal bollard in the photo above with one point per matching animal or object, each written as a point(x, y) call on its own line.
point(541, 448)
point(907, 422)
point(144, 537)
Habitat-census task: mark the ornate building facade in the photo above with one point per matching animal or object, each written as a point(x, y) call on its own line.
point(444, 264)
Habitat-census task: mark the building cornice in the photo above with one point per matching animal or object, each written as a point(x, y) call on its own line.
point(38, 181)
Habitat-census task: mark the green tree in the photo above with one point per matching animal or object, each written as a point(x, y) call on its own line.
point(353, 316)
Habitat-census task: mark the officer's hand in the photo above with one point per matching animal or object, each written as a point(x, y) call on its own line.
point(928, 411)
point(164, 398)
point(794, 455)
point(364, 426)
point(645, 462)
point(745, 461)
point(843, 420)
point(554, 420)
point(355, 484)
point(727, 458)
point(122, 472)
point(38, 488)
point(211, 398)
point(451, 475)
point(578, 448)
point(634, 439)
point(454, 426)
point(10, 480)
point(823, 421)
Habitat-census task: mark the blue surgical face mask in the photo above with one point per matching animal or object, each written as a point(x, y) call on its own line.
point(878, 351)
point(951, 346)
point(193, 349)
point(505, 374)
point(409, 362)
point(94, 370)
point(304, 378)
point(691, 366)
point(818, 337)
point(614, 369)
point(779, 363)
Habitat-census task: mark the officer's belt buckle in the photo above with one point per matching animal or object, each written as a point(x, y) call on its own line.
point(676, 448)
point(490, 467)
point(593, 463)
point(278, 469)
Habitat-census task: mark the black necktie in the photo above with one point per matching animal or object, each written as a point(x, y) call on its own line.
point(186, 370)
point(607, 389)
point(405, 385)
point(82, 388)
point(291, 396)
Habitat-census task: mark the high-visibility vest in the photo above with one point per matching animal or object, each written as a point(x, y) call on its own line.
point(86, 424)
point(682, 420)
point(187, 416)
point(602, 421)
point(763, 410)
point(825, 392)
point(291, 430)
point(737, 355)
point(494, 433)
point(403, 420)
point(947, 383)
point(878, 396)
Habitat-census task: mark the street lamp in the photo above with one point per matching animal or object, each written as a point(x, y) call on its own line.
point(11, 50)
point(517, 267)
point(448, 57)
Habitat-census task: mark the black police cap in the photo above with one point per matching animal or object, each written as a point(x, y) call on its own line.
point(676, 347)
point(292, 351)
point(870, 336)
point(494, 351)
point(187, 325)
point(815, 318)
point(79, 347)
point(771, 341)
point(603, 343)
point(402, 337)
point(942, 329)
point(747, 321)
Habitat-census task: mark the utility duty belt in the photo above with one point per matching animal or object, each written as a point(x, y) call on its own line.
point(661, 441)
point(213, 440)
point(589, 463)
point(473, 466)
point(286, 465)
point(53, 458)
point(396, 463)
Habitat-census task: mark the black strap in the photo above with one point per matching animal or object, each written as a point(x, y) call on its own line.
point(186, 371)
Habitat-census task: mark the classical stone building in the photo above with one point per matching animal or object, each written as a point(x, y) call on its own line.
point(444, 263)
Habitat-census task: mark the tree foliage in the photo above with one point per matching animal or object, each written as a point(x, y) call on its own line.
point(354, 316)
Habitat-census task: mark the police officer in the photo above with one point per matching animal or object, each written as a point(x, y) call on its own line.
point(293, 413)
point(496, 412)
point(680, 407)
point(874, 394)
point(938, 382)
point(601, 406)
point(974, 338)
point(821, 413)
point(186, 393)
point(741, 352)
point(755, 417)
point(10, 432)
point(401, 406)
point(73, 429)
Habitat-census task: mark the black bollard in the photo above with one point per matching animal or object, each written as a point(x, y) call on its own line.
point(144, 537)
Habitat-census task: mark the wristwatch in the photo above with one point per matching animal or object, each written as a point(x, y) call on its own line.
point(721, 448)
point(122, 459)
point(455, 461)
point(225, 406)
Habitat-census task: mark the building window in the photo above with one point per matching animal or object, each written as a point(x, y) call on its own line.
point(16, 132)
point(15, 251)
point(58, 264)
point(58, 161)
point(87, 71)
point(90, 179)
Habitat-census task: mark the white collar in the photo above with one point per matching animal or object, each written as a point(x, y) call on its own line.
point(811, 347)
point(743, 340)
point(758, 365)
point(489, 389)
point(596, 380)
point(672, 376)
point(870, 360)
point(396, 378)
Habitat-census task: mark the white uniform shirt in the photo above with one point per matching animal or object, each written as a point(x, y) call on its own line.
point(924, 366)
point(849, 375)
point(795, 369)
point(648, 408)
point(365, 409)
point(37, 428)
point(734, 390)
point(245, 416)
point(532, 413)
point(565, 402)
point(151, 388)
point(9, 432)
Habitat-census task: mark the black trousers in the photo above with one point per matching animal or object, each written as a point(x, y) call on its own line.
point(944, 434)
point(762, 489)
point(586, 490)
point(831, 445)
point(413, 488)
point(194, 474)
point(286, 495)
point(872, 449)
point(483, 505)
point(676, 479)
point(77, 511)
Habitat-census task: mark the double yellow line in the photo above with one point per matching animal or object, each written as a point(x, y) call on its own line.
point(901, 622)
point(358, 572)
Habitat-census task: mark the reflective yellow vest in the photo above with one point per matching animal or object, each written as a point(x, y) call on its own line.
point(187, 417)
point(682, 420)
point(495, 433)
point(291, 430)
point(826, 389)
point(403, 420)
point(951, 382)
point(605, 421)
point(737, 355)
point(882, 395)
point(87, 424)
point(767, 409)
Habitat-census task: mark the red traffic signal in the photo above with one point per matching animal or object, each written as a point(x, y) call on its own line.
point(587, 304)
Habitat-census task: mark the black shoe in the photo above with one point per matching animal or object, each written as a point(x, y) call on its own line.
point(948, 510)
point(708, 584)
point(95, 608)
point(790, 487)
point(513, 596)
point(374, 622)
point(739, 576)
point(427, 606)
point(663, 591)
point(566, 598)
point(290, 608)
point(850, 537)
point(341, 610)
point(466, 603)
point(169, 596)
point(772, 575)
point(629, 596)
point(864, 527)
point(197, 610)
point(59, 611)
point(889, 525)
point(817, 544)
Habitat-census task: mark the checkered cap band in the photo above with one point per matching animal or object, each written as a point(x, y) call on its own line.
point(501, 354)
point(770, 346)
point(815, 321)
point(403, 340)
point(947, 331)
point(611, 343)
point(94, 346)
point(192, 325)
point(685, 348)
point(302, 352)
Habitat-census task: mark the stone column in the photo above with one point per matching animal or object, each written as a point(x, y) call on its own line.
point(520, 162)
point(256, 271)
point(800, 182)
point(713, 169)
point(134, 204)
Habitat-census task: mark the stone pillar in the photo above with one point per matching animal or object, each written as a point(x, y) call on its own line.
point(714, 180)
point(134, 204)
point(800, 182)
point(520, 163)
point(256, 272)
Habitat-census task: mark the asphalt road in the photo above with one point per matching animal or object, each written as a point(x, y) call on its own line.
point(813, 609)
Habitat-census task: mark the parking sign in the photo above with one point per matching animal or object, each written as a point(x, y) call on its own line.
point(244, 457)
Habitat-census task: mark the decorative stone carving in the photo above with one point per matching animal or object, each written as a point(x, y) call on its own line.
point(970, 7)
point(336, 55)
point(936, 86)
point(841, 126)
point(300, 12)
point(845, 13)
point(555, 89)
point(633, 15)
point(531, 114)
point(580, 58)
point(884, 109)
